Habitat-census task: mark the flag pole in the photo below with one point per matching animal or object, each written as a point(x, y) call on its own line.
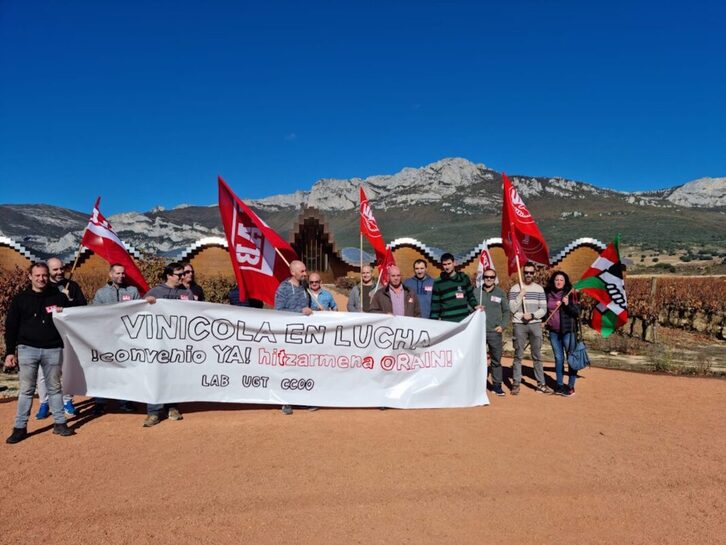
point(360, 290)
point(80, 244)
point(78, 255)
point(559, 304)
point(522, 291)
point(282, 256)
point(481, 287)
point(66, 289)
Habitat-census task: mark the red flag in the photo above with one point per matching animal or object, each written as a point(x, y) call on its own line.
point(388, 261)
point(485, 262)
point(520, 234)
point(100, 238)
point(252, 243)
point(369, 228)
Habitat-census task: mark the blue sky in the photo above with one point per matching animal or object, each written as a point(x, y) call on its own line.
point(145, 102)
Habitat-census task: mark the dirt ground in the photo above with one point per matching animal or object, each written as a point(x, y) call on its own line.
point(631, 458)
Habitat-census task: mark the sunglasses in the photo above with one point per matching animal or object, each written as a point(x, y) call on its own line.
point(315, 281)
point(530, 273)
point(188, 272)
point(178, 275)
point(489, 277)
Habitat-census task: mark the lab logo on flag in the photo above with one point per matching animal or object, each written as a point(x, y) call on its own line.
point(371, 225)
point(519, 207)
point(254, 252)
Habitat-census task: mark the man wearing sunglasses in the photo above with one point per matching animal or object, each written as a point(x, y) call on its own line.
point(172, 287)
point(320, 299)
point(496, 305)
point(528, 304)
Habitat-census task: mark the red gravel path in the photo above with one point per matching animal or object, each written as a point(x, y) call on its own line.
point(632, 458)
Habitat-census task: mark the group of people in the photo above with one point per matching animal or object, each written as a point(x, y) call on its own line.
point(31, 334)
point(450, 297)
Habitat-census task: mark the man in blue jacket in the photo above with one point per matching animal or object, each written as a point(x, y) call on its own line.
point(422, 285)
point(292, 296)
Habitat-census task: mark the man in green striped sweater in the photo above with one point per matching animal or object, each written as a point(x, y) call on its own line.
point(453, 298)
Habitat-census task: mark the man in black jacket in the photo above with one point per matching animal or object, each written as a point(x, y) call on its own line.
point(71, 289)
point(29, 328)
point(75, 298)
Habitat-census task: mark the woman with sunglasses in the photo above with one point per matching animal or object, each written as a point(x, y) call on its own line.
point(190, 284)
point(563, 312)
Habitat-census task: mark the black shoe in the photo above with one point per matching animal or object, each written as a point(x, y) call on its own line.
point(63, 430)
point(18, 435)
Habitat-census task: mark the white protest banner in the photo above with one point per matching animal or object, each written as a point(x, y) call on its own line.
point(176, 351)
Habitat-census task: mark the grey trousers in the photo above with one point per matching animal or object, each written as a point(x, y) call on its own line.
point(43, 391)
point(495, 348)
point(29, 360)
point(533, 334)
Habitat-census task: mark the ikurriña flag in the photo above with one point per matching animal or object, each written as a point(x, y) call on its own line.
point(253, 248)
point(603, 281)
point(100, 238)
point(521, 238)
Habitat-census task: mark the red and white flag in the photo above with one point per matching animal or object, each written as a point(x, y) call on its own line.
point(520, 235)
point(253, 248)
point(100, 238)
point(485, 262)
point(369, 227)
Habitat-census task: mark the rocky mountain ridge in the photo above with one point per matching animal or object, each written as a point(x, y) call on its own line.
point(449, 203)
point(446, 177)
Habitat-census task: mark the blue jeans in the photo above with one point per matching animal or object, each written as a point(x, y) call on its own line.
point(561, 343)
point(29, 360)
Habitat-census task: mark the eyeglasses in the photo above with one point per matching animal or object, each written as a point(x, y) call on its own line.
point(529, 273)
point(178, 275)
point(315, 281)
point(188, 272)
point(489, 277)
